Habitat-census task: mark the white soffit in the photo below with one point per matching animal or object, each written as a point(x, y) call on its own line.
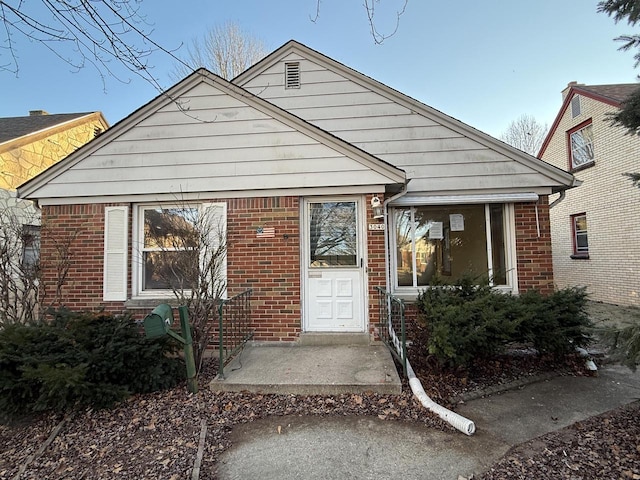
point(465, 199)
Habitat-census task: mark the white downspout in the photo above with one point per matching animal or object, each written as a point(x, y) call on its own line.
point(459, 422)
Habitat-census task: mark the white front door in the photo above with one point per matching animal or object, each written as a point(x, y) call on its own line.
point(333, 265)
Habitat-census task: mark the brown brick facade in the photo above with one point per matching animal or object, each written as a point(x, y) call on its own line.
point(73, 240)
point(375, 265)
point(270, 266)
point(535, 264)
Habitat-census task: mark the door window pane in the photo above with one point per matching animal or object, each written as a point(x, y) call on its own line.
point(333, 234)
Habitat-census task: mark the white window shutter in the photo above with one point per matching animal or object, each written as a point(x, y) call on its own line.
point(214, 256)
point(115, 253)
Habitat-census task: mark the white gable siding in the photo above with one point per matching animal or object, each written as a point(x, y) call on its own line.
point(213, 142)
point(436, 158)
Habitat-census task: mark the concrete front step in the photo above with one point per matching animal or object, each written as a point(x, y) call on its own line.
point(311, 370)
point(313, 339)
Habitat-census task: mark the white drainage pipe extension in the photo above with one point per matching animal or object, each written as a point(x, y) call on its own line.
point(589, 363)
point(459, 422)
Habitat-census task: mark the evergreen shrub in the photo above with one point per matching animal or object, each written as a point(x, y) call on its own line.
point(463, 322)
point(81, 359)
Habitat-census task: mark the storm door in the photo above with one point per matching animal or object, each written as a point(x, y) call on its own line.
point(333, 266)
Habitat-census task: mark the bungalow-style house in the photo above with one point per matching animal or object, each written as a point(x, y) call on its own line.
point(595, 227)
point(327, 183)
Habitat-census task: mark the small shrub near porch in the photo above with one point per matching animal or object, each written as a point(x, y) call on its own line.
point(79, 360)
point(464, 322)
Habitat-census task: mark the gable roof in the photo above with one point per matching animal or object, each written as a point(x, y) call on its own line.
point(611, 94)
point(556, 178)
point(12, 128)
point(106, 148)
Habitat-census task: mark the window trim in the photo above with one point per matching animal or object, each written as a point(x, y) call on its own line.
point(508, 219)
point(137, 271)
point(570, 132)
point(578, 255)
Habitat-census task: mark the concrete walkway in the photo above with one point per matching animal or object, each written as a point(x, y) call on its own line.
point(311, 370)
point(369, 448)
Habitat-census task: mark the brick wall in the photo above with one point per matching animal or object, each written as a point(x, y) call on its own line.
point(268, 265)
point(533, 251)
point(375, 266)
point(78, 230)
point(611, 203)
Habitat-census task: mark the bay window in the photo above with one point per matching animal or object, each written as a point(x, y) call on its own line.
point(448, 242)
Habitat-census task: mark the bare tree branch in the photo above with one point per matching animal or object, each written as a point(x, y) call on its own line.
point(101, 33)
point(370, 9)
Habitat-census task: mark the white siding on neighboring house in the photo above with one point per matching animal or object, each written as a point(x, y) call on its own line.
point(611, 204)
point(438, 159)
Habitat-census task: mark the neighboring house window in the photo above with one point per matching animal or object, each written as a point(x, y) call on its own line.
point(447, 242)
point(30, 245)
point(580, 238)
point(575, 106)
point(292, 75)
point(581, 146)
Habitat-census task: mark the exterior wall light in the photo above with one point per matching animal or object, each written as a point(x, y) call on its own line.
point(376, 206)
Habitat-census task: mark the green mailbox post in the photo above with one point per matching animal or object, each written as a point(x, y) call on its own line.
point(158, 323)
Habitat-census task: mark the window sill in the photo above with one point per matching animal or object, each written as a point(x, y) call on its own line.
point(583, 167)
point(149, 303)
point(580, 256)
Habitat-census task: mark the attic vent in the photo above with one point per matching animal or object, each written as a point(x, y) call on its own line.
point(96, 131)
point(575, 106)
point(292, 75)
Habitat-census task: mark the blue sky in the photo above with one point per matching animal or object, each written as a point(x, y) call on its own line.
point(482, 62)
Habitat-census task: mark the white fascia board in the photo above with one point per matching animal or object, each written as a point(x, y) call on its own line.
point(201, 196)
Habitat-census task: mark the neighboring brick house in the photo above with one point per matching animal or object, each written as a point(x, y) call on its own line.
point(595, 227)
point(326, 182)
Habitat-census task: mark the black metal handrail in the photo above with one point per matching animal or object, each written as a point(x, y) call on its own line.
point(234, 327)
point(392, 329)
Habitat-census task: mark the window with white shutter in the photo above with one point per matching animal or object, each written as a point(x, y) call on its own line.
point(179, 248)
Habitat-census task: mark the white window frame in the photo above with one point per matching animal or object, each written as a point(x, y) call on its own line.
point(508, 219)
point(138, 243)
point(585, 143)
point(138, 248)
point(577, 250)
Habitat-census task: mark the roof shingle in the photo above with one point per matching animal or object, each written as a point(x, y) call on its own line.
point(16, 127)
point(615, 92)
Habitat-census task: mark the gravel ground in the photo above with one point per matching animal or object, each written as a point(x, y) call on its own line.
point(157, 435)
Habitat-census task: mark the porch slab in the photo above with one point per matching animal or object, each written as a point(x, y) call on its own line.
point(311, 370)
